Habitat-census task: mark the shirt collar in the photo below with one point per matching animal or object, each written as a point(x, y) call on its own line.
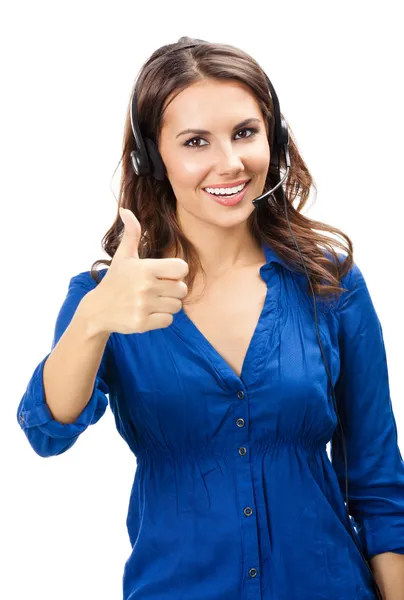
point(271, 256)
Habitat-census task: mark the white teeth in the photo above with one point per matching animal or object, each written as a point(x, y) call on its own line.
point(226, 191)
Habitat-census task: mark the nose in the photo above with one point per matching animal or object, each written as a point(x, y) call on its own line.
point(228, 159)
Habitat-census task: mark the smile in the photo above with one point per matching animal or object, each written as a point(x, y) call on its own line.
point(226, 191)
point(229, 200)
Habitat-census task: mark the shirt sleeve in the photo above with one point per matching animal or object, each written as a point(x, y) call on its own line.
point(375, 464)
point(47, 436)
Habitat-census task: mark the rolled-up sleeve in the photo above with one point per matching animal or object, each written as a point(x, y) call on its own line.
point(375, 464)
point(47, 436)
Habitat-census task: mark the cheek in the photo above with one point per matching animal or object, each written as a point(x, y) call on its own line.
point(187, 176)
point(259, 159)
point(191, 169)
point(183, 167)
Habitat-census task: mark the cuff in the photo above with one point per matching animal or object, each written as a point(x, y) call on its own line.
point(34, 412)
point(382, 534)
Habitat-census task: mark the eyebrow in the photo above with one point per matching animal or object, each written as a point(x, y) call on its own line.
point(206, 132)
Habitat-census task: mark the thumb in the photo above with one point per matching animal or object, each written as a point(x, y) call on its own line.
point(128, 247)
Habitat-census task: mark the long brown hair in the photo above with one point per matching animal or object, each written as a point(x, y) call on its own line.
point(164, 75)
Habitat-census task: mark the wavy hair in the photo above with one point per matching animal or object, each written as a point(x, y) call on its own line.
point(165, 74)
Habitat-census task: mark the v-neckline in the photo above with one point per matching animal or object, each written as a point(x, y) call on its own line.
point(185, 327)
point(191, 329)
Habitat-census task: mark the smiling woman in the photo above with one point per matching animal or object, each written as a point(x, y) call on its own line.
point(209, 111)
point(225, 402)
point(227, 154)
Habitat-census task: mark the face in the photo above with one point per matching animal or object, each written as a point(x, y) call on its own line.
point(227, 154)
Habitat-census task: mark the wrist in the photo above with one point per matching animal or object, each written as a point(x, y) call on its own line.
point(89, 317)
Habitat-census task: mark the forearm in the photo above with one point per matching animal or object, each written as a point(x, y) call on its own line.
point(388, 570)
point(71, 368)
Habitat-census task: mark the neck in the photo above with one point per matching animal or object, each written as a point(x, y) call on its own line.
point(217, 265)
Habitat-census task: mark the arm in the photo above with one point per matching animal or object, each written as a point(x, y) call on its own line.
point(76, 376)
point(388, 569)
point(70, 370)
point(375, 464)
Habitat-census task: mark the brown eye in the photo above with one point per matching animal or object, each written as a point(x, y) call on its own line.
point(253, 130)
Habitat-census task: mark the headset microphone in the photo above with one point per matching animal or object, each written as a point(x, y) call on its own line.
point(259, 201)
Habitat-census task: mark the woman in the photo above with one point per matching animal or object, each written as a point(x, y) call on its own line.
point(201, 332)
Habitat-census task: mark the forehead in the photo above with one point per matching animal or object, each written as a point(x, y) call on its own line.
point(210, 103)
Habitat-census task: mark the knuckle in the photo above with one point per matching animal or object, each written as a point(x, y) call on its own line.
point(138, 322)
point(168, 320)
point(143, 289)
point(139, 304)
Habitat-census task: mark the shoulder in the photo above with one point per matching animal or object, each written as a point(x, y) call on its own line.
point(355, 302)
point(85, 280)
point(348, 283)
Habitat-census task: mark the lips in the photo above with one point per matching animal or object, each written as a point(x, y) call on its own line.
point(246, 181)
point(229, 200)
point(226, 185)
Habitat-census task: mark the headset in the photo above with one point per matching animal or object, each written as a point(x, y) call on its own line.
point(147, 161)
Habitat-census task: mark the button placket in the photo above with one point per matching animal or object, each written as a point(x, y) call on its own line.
point(246, 494)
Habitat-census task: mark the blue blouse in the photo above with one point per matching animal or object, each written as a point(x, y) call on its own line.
point(234, 496)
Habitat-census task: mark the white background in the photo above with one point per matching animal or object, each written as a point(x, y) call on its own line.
point(67, 72)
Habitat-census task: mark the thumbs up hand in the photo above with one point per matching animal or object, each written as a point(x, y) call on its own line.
point(138, 295)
